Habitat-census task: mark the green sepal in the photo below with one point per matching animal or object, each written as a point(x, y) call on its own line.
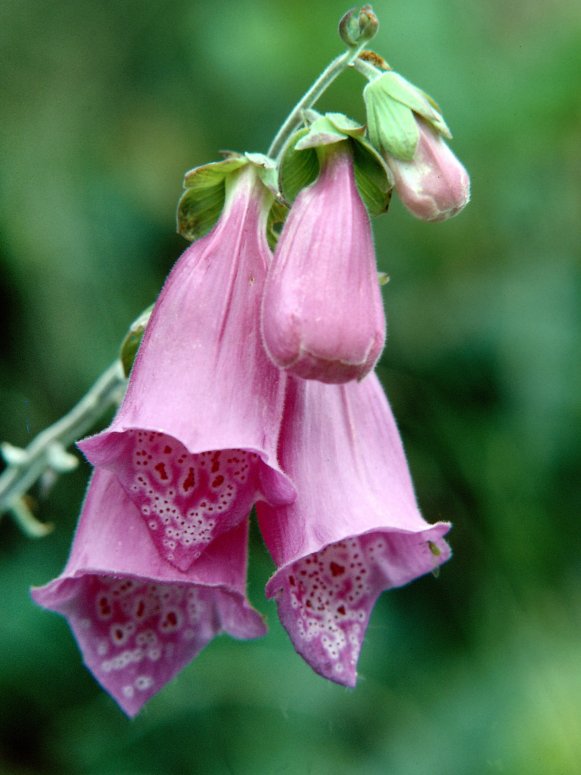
point(346, 125)
point(372, 175)
point(276, 218)
point(391, 124)
point(322, 131)
point(266, 169)
point(414, 98)
point(202, 202)
point(298, 169)
point(130, 344)
point(300, 163)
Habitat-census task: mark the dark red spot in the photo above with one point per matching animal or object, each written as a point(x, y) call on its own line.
point(291, 580)
point(341, 610)
point(219, 480)
point(190, 480)
point(160, 468)
point(118, 633)
point(104, 606)
point(171, 618)
point(309, 604)
point(167, 449)
point(140, 609)
point(215, 462)
point(336, 569)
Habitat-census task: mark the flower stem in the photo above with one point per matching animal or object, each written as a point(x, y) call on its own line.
point(367, 69)
point(293, 120)
point(47, 452)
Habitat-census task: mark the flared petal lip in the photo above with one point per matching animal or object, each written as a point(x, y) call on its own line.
point(55, 595)
point(429, 534)
point(91, 444)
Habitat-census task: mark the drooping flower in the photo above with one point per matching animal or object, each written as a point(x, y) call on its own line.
point(355, 528)
point(434, 185)
point(137, 620)
point(407, 126)
point(194, 442)
point(322, 312)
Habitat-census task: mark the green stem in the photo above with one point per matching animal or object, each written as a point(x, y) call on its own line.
point(367, 69)
point(294, 119)
point(47, 449)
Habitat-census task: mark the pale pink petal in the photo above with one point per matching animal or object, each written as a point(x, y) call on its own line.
point(138, 621)
point(434, 186)
point(322, 312)
point(194, 442)
point(355, 528)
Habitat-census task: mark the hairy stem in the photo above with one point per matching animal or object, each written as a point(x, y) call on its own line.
point(294, 119)
point(47, 450)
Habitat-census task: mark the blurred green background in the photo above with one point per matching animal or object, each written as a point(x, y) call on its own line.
point(105, 104)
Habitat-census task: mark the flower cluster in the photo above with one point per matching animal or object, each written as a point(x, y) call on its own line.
point(254, 386)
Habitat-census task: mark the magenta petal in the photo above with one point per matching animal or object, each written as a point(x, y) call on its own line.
point(194, 442)
point(322, 312)
point(138, 621)
point(355, 528)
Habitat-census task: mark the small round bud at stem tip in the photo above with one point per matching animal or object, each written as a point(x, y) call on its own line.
point(358, 26)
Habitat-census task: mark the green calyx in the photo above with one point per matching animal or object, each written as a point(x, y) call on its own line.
point(202, 202)
point(300, 163)
point(392, 104)
point(130, 345)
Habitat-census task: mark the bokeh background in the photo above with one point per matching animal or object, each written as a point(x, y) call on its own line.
point(105, 104)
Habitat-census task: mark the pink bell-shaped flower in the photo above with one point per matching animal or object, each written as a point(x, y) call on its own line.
point(355, 528)
point(434, 185)
point(138, 621)
point(322, 312)
point(194, 442)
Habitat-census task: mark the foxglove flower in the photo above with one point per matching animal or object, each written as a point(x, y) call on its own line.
point(322, 312)
point(194, 442)
point(355, 528)
point(138, 620)
point(434, 185)
point(406, 125)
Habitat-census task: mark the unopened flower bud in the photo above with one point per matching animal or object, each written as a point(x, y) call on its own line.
point(434, 185)
point(357, 27)
point(322, 312)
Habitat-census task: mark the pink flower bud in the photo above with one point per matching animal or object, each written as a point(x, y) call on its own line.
point(322, 312)
point(434, 185)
